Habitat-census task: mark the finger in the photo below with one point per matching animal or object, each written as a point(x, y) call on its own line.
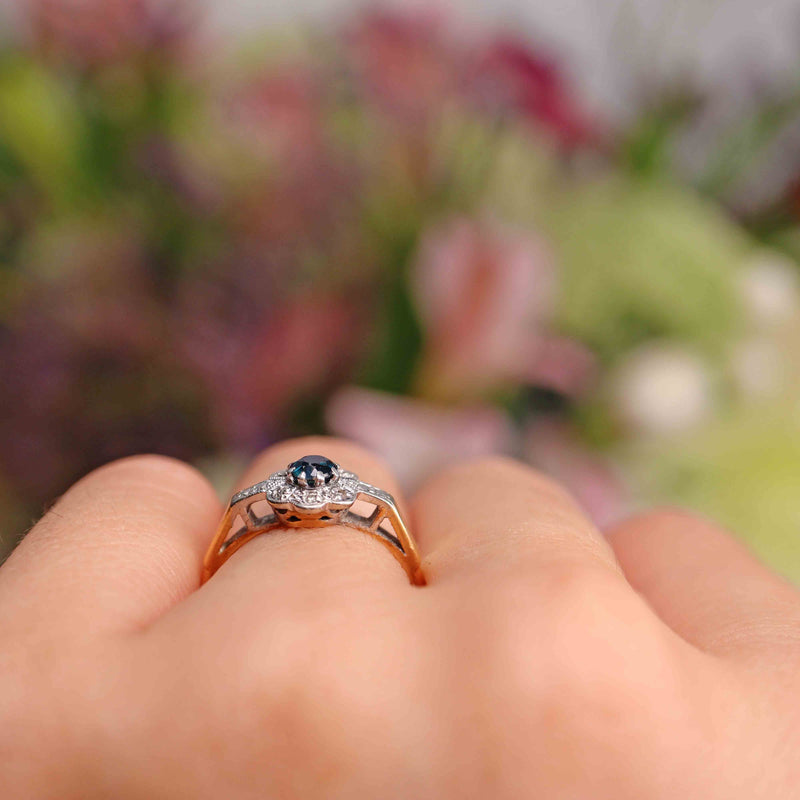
point(120, 547)
point(704, 584)
point(500, 514)
point(332, 555)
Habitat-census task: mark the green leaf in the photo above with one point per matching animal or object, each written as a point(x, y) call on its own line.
point(40, 128)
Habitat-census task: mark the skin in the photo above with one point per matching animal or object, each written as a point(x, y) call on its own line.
point(543, 659)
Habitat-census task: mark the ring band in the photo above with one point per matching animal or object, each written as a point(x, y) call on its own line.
point(312, 492)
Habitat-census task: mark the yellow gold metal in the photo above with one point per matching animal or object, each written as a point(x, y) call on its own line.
point(231, 536)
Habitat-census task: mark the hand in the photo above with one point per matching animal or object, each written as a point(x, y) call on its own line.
point(541, 661)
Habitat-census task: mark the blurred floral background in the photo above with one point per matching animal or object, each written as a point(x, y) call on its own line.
point(401, 229)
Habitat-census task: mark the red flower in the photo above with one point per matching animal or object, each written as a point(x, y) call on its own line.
point(510, 76)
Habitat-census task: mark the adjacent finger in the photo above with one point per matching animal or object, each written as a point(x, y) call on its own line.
point(500, 514)
point(120, 547)
point(706, 585)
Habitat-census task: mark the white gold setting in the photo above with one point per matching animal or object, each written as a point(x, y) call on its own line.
point(338, 495)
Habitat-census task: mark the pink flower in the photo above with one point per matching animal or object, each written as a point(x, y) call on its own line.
point(279, 115)
point(290, 188)
point(552, 447)
point(415, 437)
point(98, 31)
point(511, 76)
point(485, 297)
point(405, 61)
point(563, 365)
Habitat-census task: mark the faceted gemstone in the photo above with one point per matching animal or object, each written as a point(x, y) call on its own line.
point(313, 471)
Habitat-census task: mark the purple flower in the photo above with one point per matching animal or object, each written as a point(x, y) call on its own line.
point(255, 363)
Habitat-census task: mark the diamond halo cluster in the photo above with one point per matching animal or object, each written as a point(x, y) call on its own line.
point(311, 488)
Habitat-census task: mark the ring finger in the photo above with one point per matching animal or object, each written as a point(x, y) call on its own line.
point(315, 560)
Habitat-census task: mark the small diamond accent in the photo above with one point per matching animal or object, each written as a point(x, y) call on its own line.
point(340, 492)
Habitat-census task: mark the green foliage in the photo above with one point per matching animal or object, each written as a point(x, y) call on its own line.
point(41, 130)
point(178, 234)
point(644, 260)
point(740, 469)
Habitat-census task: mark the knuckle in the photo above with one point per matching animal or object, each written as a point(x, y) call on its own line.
point(273, 706)
point(570, 652)
point(281, 700)
point(49, 709)
point(580, 586)
point(297, 708)
point(267, 689)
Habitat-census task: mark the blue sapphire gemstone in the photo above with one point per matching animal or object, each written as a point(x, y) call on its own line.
point(311, 472)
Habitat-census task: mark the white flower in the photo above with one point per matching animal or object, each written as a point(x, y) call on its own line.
point(770, 289)
point(661, 389)
point(759, 367)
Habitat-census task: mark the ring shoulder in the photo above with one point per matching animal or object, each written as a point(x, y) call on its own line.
point(376, 494)
point(250, 491)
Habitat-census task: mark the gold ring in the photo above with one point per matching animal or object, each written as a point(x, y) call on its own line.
point(312, 492)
